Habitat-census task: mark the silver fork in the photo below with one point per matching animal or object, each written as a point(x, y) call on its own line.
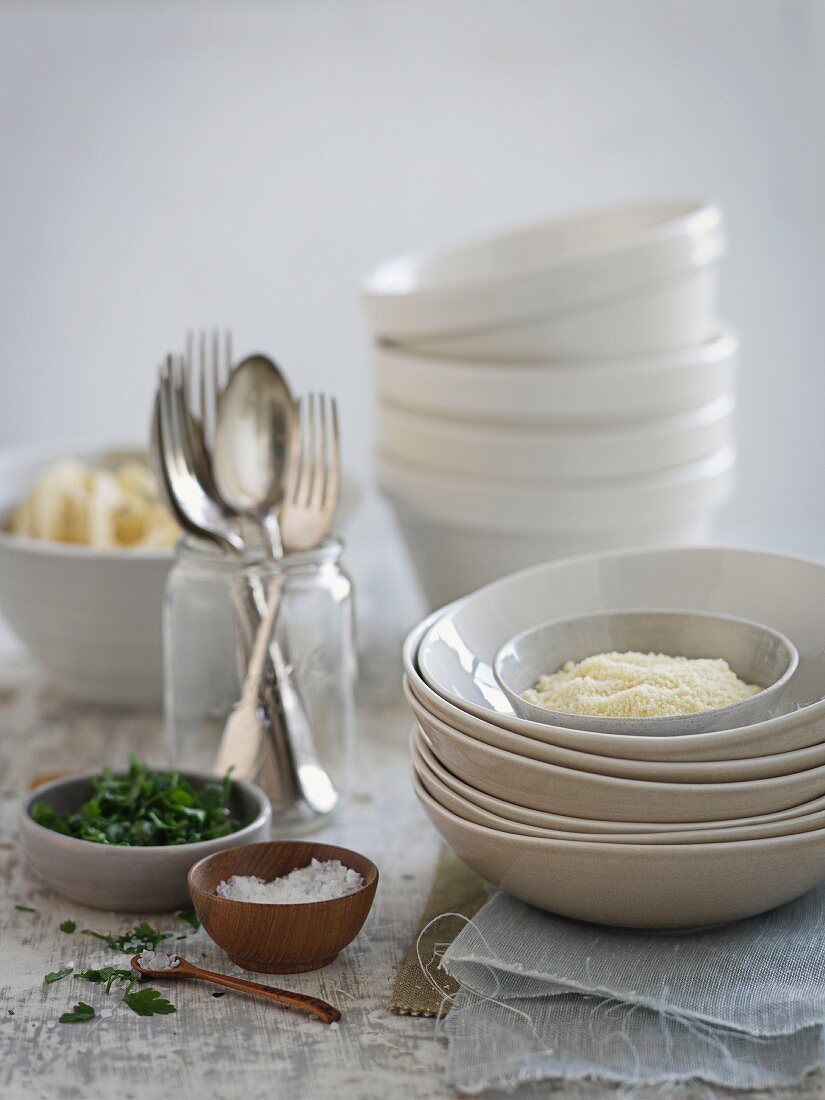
point(181, 447)
point(204, 380)
point(312, 497)
point(309, 513)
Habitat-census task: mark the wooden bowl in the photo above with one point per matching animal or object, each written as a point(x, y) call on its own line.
point(280, 939)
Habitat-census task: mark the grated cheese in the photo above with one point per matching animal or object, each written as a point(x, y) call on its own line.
point(640, 685)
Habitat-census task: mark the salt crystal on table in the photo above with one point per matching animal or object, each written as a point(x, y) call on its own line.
point(322, 880)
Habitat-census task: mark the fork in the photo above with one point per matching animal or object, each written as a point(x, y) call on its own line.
point(309, 512)
point(311, 502)
point(180, 443)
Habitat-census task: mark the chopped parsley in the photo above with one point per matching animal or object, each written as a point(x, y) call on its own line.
point(25, 909)
point(56, 975)
point(80, 1014)
point(68, 925)
point(143, 808)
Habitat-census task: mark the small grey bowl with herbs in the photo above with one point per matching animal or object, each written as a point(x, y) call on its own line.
point(125, 840)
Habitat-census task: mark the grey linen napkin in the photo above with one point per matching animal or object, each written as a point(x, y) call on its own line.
point(544, 997)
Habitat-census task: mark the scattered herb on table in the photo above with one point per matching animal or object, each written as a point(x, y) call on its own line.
point(68, 925)
point(144, 808)
point(25, 909)
point(148, 1002)
point(190, 916)
point(56, 975)
point(141, 938)
point(108, 975)
point(80, 1014)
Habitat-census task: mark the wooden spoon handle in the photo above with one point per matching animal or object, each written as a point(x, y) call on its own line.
point(325, 1012)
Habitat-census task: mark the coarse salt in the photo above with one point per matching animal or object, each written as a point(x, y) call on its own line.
point(322, 880)
point(158, 960)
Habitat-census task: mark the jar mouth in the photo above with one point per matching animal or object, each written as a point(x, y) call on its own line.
point(210, 556)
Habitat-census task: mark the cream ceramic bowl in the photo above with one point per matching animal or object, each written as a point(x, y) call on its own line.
point(638, 885)
point(90, 617)
point(596, 828)
point(678, 771)
point(591, 451)
point(449, 800)
point(757, 654)
point(452, 559)
point(124, 879)
point(455, 653)
point(533, 504)
point(601, 261)
point(541, 786)
point(601, 391)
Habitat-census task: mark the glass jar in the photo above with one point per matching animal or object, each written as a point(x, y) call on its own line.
point(213, 608)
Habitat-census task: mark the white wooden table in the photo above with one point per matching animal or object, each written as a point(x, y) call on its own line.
point(231, 1046)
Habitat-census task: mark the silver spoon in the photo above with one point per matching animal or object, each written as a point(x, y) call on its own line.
point(254, 437)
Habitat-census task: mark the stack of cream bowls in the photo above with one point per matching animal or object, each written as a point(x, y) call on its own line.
point(626, 830)
point(559, 389)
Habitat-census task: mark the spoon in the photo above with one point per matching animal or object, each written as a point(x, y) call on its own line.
point(254, 438)
point(315, 1007)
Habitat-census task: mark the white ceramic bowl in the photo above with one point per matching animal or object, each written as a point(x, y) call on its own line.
point(128, 879)
point(638, 885)
point(451, 559)
point(597, 828)
point(646, 256)
point(90, 617)
point(601, 451)
point(673, 313)
point(668, 771)
point(456, 651)
point(553, 789)
point(525, 504)
point(557, 392)
point(445, 796)
point(757, 654)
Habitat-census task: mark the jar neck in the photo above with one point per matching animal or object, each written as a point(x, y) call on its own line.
point(195, 553)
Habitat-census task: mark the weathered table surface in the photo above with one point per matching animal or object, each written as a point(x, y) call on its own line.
point(231, 1046)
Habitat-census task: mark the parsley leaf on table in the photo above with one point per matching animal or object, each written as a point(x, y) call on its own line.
point(145, 808)
point(190, 916)
point(141, 938)
point(68, 925)
point(80, 1014)
point(108, 975)
point(25, 909)
point(56, 975)
point(148, 1002)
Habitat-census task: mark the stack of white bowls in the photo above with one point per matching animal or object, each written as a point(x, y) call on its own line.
point(559, 389)
point(627, 828)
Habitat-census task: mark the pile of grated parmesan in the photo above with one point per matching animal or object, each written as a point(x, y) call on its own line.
point(640, 685)
point(322, 880)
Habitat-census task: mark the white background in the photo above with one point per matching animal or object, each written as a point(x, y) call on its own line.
point(167, 165)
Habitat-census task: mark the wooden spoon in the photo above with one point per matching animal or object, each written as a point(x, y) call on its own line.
point(325, 1012)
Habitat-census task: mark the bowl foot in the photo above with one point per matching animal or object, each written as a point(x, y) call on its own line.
point(260, 967)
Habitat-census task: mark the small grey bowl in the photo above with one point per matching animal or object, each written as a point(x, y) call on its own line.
point(756, 653)
point(134, 880)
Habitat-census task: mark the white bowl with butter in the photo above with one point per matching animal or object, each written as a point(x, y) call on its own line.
point(89, 615)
